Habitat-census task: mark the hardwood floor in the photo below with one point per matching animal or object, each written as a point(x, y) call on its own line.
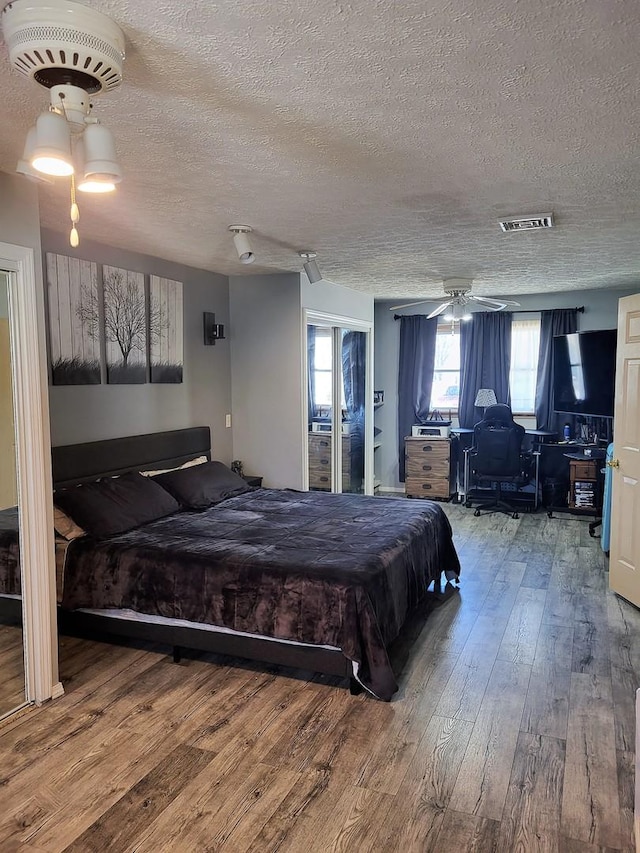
point(11, 668)
point(513, 729)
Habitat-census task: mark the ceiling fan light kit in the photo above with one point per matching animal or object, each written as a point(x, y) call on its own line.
point(74, 52)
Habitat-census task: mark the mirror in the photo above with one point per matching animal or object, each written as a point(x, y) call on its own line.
point(337, 374)
point(12, 673)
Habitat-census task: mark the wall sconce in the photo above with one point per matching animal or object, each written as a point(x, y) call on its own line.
point(212, 331)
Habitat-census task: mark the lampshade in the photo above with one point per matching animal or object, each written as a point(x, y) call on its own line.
point(52, 152)
point(97, 163)
point(485, 397)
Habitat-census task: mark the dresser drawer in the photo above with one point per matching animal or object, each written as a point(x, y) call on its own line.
point(434, 487)
point(583, 470)
point(422, 448)
point(427, 467)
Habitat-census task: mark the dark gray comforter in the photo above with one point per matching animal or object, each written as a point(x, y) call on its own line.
point(338, 570)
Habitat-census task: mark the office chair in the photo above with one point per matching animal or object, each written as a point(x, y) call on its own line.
point(497, 458)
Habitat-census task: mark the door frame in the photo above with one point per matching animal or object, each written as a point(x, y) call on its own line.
point(33, 452)
point(312, 317)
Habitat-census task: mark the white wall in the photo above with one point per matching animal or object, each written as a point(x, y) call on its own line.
point(82, 413)
point(601, 312)
point(335, 299)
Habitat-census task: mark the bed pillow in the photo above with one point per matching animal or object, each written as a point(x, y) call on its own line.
point(116, 504)
point(203, 486)
point(199, 460)
point(65, 526)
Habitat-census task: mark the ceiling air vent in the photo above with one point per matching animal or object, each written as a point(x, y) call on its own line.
point(527, 223)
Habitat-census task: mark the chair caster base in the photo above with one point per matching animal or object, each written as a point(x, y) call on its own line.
point(515, 515)
point(477, 513)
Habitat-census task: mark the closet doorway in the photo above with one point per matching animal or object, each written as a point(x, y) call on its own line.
point(12, 670)
point(27, 571)
point(339, 406)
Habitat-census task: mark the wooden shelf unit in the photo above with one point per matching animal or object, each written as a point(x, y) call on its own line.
point(584, 485)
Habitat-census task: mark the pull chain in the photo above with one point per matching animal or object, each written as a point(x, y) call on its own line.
point(74, 238)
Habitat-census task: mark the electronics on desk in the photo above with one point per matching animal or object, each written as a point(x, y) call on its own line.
point(418, 430)
point(327, 426)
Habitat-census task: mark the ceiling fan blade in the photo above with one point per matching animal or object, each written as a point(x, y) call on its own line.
point(439, 310)
point(410, 304)
point(488, 300)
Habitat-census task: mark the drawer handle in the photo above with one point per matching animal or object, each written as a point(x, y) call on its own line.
point(427, 448)
point(426, 486)
point(324, 479)
point(324, 461)
point(426, 467)
point(324, 444)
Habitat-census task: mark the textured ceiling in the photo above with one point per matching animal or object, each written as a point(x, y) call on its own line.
point(387, 136)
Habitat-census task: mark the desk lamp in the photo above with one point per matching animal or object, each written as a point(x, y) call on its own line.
point(484, 398)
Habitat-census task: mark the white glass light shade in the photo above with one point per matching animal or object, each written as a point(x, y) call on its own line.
point(52, 152)
point(243, 248)
point(24, 166)
point(97, 160)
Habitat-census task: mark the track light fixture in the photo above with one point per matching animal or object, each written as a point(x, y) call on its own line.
point(242, 244)
point(75, 53)
point(310, 266)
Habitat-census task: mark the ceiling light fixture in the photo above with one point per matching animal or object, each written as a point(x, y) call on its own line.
point(76, 53)
point(310, 266)
point(242, 244)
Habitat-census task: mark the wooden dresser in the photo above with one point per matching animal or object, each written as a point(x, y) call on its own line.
point(320, 461)
point(428, 467)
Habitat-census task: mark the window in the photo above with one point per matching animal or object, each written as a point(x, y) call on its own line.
point(323, 367)
point(445, 390)
point(525, 341)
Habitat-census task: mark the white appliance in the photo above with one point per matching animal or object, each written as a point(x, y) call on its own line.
point(438, 431)
point(319, 426)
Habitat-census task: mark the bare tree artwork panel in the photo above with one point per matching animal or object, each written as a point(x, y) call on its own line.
point(72, 290)
point(166, 330)
point(125, 326)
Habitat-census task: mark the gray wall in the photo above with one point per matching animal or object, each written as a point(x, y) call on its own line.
point(601, 312)
point(266, 349)
point(90, 412)
point(266, 367)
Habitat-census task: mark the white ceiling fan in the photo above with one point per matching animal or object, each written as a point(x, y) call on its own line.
point(458, 292)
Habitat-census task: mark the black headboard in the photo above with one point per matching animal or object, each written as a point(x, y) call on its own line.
point(79, 463)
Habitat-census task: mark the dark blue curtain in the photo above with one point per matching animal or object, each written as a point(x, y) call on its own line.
point(311, 373)
point(354, 375)
point(485, 359)
point(415, 376)
point(559, 321)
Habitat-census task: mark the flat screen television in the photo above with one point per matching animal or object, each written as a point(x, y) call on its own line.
point(584, 366)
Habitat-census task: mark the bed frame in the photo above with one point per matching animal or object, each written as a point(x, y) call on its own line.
point(79, 463)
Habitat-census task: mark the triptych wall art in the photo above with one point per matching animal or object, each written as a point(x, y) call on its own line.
point(109, 322)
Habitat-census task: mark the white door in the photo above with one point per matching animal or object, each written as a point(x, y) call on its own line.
point(624, 569)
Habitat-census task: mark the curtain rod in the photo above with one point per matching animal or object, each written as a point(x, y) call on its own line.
point(580, 310)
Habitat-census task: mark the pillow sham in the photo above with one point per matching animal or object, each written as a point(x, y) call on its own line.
point(199, 460)
point(65, 526)
point(203, 486)
point(116, 504)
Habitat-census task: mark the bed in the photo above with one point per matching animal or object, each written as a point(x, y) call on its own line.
point(302, 579)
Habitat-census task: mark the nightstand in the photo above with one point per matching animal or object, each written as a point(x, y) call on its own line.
point(250, 480)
